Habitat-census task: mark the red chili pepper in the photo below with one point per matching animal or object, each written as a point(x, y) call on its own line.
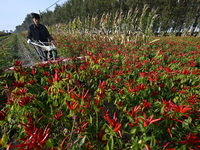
point(63, 142)
point(149, 120)
point(58, 115)
point(25, 100)
point(36, 138)
point(33, 71)
point(72, 105)
point(193, 139)
point(113, 123)
point(133, 111)
point(2, 115)
point(45, 73)
point(17, 63)
point(56, 76)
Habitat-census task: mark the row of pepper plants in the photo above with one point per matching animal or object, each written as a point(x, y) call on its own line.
point(7, 50)
point(115, 96)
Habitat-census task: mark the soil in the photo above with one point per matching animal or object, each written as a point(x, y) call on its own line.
point(27, 53)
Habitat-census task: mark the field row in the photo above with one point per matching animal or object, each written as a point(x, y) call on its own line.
point(14, 47)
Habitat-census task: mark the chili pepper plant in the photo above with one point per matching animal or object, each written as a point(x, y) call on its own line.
point(116, 96)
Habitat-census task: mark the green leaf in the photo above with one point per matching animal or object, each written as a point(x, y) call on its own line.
point(49, 143)
point(4, 139)
point(104, 137)
point(133, 131)
point(90, 119)
point(82, 141)
point(175, 99)
point(41, 105)
point(119, 142)
point(110, 143)
point(141, 80)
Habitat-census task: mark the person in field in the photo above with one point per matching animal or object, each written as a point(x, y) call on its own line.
point(38, 32)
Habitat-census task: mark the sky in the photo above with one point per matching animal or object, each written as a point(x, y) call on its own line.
point(14, 12)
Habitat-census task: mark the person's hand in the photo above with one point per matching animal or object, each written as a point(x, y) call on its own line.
point(29, 41)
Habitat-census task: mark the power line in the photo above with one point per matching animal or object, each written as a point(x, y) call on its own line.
point(51, 6)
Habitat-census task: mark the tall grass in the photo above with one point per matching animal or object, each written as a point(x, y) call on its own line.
point(130, 26)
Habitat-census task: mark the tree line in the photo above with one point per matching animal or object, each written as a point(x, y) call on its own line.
point(172, 16)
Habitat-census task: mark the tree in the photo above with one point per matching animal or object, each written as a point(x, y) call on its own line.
point(173, 15)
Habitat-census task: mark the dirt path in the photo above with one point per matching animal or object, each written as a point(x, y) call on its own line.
point(26, 52)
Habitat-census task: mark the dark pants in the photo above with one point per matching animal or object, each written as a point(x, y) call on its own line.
point(41, 53)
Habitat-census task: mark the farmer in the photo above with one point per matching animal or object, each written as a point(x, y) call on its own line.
point(38, 32)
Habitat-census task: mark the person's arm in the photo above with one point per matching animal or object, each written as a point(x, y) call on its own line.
point(29, 36)
point(48, 35)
